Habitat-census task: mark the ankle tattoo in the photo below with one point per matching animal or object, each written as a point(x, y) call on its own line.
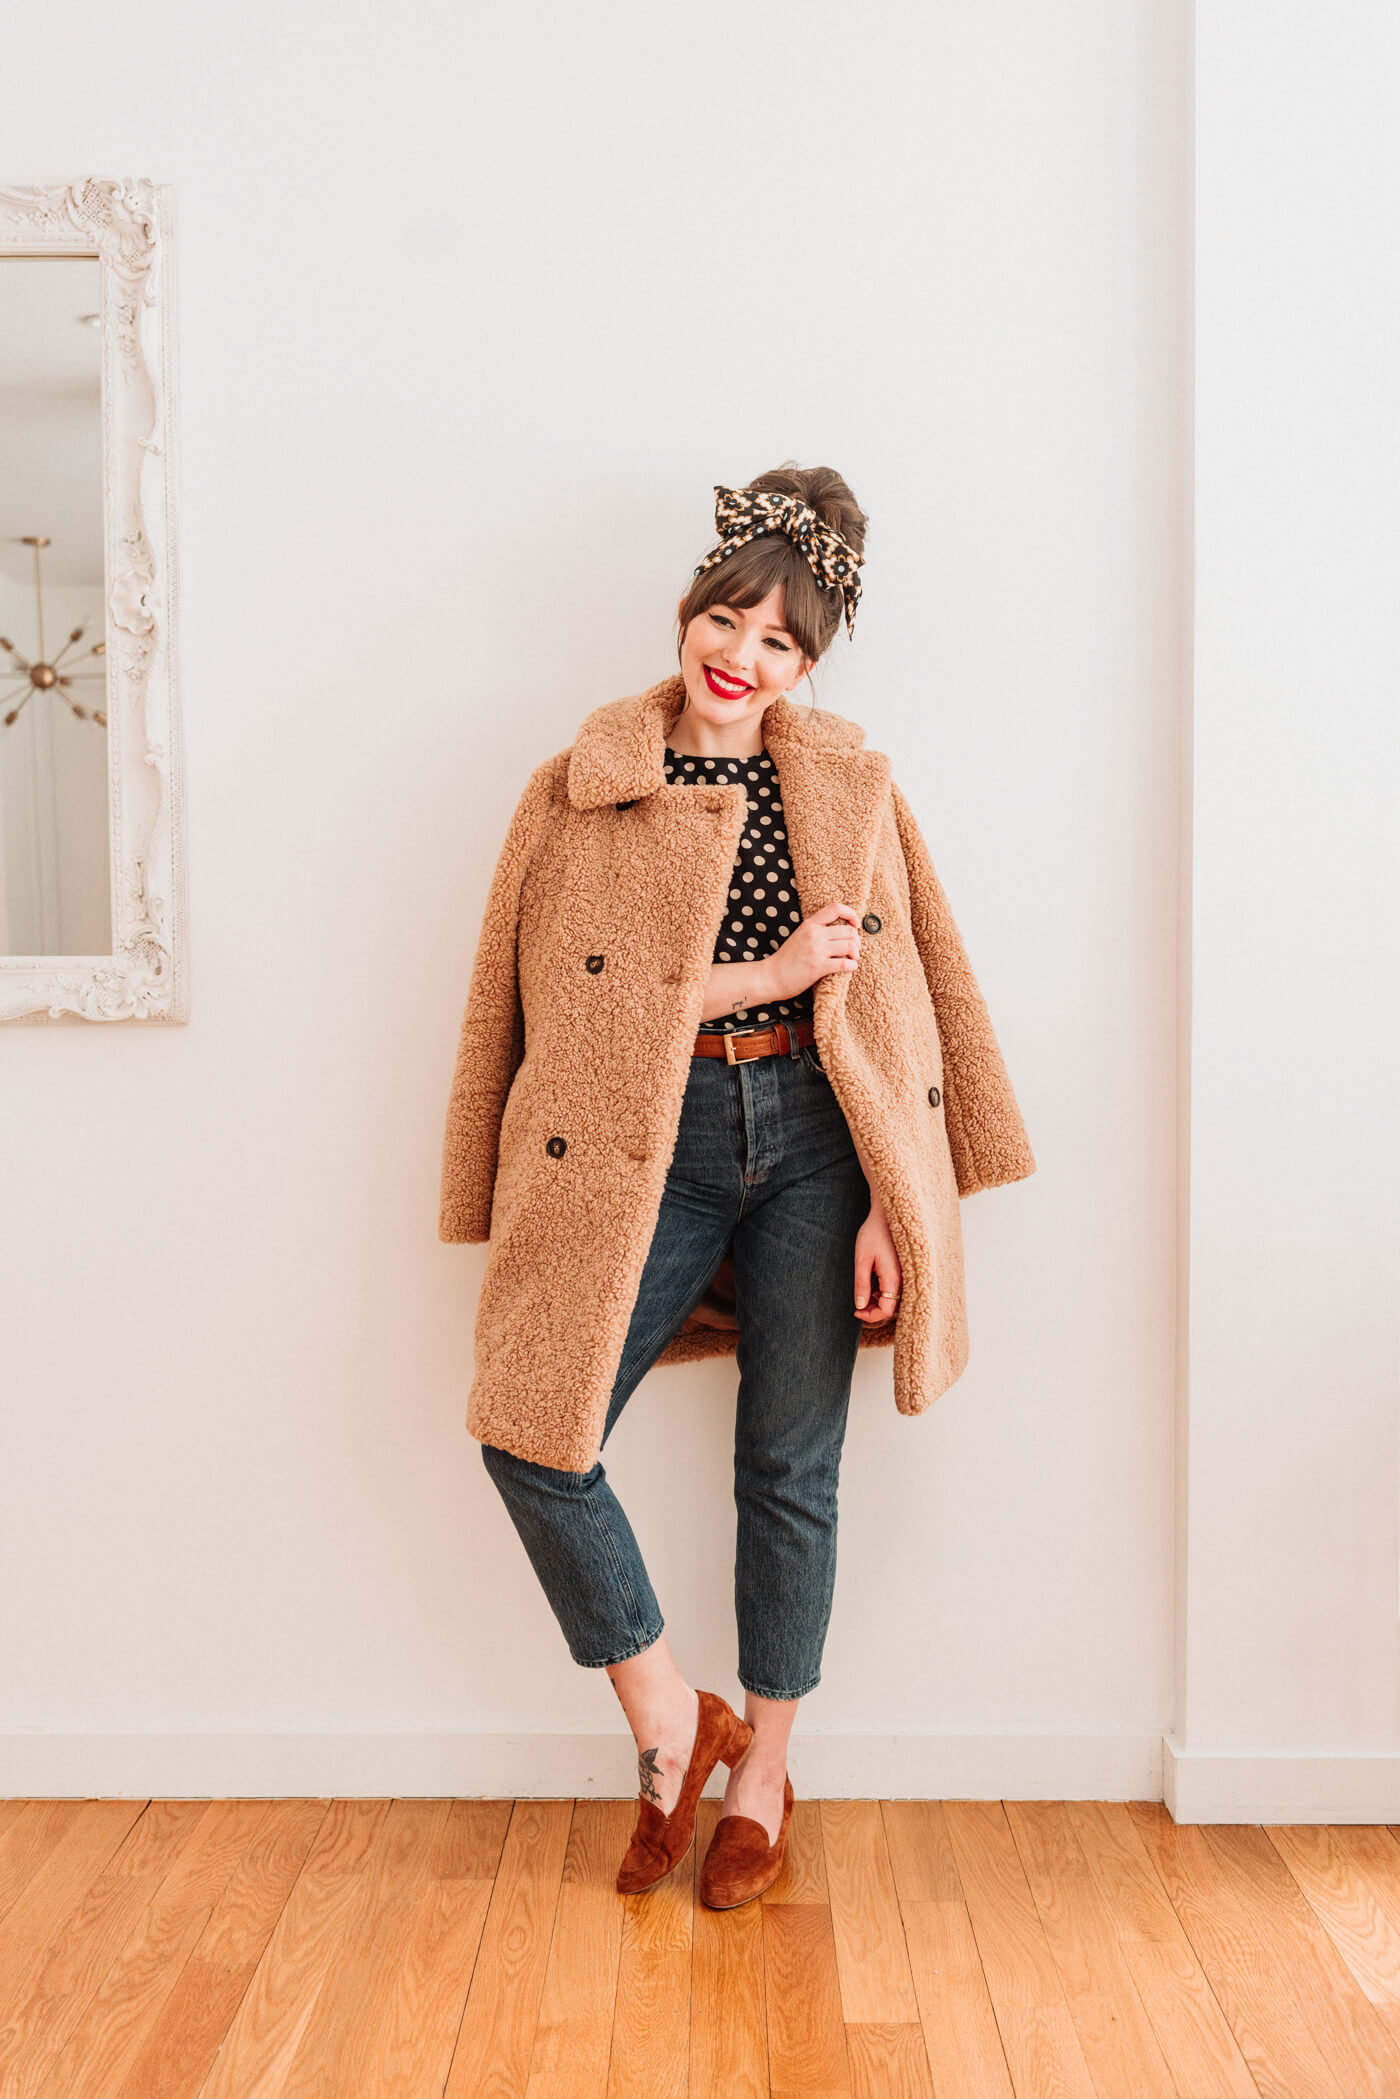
point(647, 1773)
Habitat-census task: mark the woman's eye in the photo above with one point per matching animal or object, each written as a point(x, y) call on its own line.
point(721, 620)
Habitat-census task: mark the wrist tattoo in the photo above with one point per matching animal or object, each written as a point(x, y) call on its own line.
point(647, 1773)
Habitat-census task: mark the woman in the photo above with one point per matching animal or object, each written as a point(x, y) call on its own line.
point(722, 1076)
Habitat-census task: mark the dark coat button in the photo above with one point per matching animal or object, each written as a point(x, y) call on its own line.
point(593, 964)
point(628, 805)
point(872, 922)
point(934, 1096)
point(556, 1147)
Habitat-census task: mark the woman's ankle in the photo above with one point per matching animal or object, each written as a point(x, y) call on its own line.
point(756, 1790)
point(757, 1781)
point(663, 1712)
point(665, 1738)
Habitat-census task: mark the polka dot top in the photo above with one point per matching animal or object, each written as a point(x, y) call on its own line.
point(763, 905)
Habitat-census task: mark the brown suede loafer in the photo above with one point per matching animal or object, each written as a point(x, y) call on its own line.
point(740, 1862)
point(660, 1842)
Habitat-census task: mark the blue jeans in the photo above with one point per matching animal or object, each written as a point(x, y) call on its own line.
point(763, 1167)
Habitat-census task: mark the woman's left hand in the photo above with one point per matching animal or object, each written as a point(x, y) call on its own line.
point(879, 1277)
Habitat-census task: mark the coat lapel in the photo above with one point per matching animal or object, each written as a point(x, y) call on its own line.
point(834, 796)
point(619, 752)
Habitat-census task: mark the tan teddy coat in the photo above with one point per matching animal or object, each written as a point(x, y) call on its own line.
point(604, 859)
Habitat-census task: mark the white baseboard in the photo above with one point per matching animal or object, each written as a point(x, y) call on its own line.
point(1278, 1786)
point(1198, 1786)
point(257, 1766)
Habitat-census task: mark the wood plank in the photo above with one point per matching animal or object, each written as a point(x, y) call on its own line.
point(573, 2039)
point(1124, 1874)
point(806, 2035)
point(181, 2043)
point(1274, 2037)
point(78, 1854)
point(888, 2062)
point(1356, 2045)
point(299, 1959)
point(106, 2040)
point(651, 2017)
point(71, 1967)
point(1347, 1906)
point(1114, 2031)
point(877, 1988)
point(27, 1841)
point(388, 1886)
point(961, 2037)
point(1375, 1854)
point(404, 2047)
point(803, 1878)
point(920, 1851)
point(492, 2057)
point(1037, 2032)
point(728, 2037)
point(964, 2048)
point(474, 1839)
point(1192, 2031)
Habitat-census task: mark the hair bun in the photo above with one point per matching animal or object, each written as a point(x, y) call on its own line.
point(822, 489)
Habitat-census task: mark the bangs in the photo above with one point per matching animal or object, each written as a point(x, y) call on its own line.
point(744, 579)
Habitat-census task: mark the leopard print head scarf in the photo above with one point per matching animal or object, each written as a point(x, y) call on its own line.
point(742, 514)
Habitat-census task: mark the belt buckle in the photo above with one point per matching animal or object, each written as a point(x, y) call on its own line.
point(738, 1033)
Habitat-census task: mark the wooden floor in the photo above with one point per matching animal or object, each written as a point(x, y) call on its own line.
point(373, 1949)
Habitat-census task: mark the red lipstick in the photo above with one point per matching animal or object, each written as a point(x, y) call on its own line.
point(733, 691)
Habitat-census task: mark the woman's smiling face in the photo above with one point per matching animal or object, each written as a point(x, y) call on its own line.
point(736, 663)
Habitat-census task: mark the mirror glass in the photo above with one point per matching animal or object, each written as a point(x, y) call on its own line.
point(55, 869)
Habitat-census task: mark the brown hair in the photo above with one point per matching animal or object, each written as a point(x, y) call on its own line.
point(810, 614)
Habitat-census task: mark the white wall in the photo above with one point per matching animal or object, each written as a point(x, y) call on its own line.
point(1289, 1685)
point(475, 306)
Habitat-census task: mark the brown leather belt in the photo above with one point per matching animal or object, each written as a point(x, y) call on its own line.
point(744, 1044)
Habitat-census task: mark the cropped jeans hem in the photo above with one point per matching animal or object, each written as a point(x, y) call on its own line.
point(767, 1691)
point(628, 1654)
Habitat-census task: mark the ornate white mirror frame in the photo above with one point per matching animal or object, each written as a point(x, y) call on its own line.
point(126, 226)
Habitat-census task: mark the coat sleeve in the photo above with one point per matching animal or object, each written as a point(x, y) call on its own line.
point(985, 1133)
point(492, 1039)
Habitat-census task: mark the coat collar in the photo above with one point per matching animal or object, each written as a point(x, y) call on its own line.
point(834, 792)
point(619, 752)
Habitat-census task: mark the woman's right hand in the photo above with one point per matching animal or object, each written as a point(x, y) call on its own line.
point(826, 942)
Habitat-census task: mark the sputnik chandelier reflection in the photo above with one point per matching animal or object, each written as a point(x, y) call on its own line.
point(58, 676)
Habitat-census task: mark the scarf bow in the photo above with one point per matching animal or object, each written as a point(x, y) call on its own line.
point(742, 514)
